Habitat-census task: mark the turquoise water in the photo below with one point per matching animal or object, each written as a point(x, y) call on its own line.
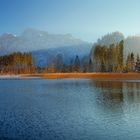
point(69, 109)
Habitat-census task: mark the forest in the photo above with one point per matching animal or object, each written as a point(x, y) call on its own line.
point(111, 59)
point(103, 59)
point(17, 63)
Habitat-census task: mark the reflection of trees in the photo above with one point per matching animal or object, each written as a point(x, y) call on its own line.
point(110, 95)
point(115, 95)
point(131, 92)
point(111, 91)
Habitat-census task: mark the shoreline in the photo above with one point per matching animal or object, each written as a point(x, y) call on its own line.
point(102, 76)
point(94, 75)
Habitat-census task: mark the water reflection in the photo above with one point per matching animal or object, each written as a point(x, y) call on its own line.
point(132, 92)
point(111, 91)
point(69, 109)
point(117, 95)
point(118, 90)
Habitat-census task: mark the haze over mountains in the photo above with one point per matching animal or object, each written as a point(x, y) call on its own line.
point(46, 46)
point(32, 39)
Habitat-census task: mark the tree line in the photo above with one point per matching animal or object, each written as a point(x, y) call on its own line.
point(76, 65)
point(111, 59)
point(104, 59)
point(17, 63)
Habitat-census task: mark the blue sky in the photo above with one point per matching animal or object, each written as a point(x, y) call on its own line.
point(85, 19)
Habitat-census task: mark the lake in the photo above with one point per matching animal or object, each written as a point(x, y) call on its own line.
point(69, 109)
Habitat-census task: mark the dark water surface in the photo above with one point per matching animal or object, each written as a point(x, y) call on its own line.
point(70, 109)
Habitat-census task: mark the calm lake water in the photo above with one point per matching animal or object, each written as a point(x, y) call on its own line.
point(69, 109)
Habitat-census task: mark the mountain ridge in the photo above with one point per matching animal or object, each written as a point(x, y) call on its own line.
point(32, 39)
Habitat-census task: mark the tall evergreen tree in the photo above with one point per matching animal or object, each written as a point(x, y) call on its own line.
point(77, 64)
point(137, 67)
point(59, 62)
point(120, 56)
point(130, 62)
point(90, 66)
